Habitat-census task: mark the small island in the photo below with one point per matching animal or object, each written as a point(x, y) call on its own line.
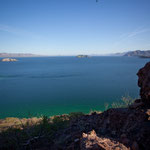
point(82, 56)
point(8, 59)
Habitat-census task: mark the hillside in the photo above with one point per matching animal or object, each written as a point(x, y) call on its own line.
point(138, 53)
point(18, 55)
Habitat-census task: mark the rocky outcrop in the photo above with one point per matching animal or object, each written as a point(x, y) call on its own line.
point(118, 129)
point(8, 59)
point(91, 141)
point(144, 83)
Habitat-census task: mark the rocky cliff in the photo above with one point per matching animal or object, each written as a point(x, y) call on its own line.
point(144, 83)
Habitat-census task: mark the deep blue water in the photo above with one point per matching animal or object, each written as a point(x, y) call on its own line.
point(57, 85)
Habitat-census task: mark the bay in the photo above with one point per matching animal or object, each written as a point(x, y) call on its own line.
point(58, 85)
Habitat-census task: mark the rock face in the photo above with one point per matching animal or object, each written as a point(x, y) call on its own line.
point(114, 129)
point(144, 83)
point(8, 59)
point(91, 141)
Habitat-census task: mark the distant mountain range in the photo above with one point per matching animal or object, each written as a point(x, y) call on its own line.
point(18, 55)
point(138, 53)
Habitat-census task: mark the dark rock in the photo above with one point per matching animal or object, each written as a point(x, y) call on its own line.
point(135, 146)
point(137, 104)
point(144, 83)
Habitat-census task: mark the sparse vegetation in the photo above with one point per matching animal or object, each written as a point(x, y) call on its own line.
point(16, 133)
point(126, 101)
point(106, 105)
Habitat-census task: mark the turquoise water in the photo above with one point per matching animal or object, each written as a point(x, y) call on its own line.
point(58, 85)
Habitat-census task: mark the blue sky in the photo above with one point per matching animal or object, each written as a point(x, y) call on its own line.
point(71, 27)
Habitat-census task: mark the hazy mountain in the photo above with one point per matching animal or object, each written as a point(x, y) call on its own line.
point(140, 53)
point(18, 55)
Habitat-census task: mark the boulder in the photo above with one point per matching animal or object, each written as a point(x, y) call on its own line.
point(91, 141)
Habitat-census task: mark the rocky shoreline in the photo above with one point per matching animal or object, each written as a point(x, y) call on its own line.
point(114, 129)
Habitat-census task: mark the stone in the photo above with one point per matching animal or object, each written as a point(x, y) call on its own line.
point(135, 146)
point(91, 141)
point(76, 140)
point(136, 105)
point(123, 135)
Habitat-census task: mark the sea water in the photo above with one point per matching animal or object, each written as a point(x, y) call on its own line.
point(58, 85)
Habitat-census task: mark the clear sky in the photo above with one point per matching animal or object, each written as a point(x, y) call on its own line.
point(70, 27)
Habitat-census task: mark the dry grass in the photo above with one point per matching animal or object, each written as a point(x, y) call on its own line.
point(18, 133)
